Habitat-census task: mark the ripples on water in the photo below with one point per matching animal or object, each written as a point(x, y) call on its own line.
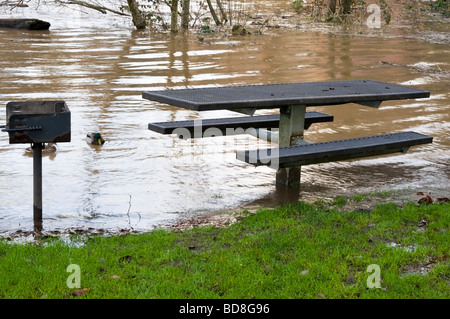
point(140, 178)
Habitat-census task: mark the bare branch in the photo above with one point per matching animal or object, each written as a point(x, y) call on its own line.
point(101, 9)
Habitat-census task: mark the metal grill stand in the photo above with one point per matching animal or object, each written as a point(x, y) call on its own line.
point(37, 122)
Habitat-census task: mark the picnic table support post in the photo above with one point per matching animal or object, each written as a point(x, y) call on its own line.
point(292, 124)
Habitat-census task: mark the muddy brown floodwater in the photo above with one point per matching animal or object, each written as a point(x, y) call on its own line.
point(140, 179)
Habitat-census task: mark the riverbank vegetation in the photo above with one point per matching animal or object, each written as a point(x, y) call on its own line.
point(249, 17)
point(299, 250)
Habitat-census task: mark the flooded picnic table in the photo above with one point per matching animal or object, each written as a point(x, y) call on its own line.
point(139, 180)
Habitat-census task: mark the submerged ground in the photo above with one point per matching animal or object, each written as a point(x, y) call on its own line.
point(140, 180)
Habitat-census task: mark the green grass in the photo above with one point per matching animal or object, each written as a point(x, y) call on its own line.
point(298, 250)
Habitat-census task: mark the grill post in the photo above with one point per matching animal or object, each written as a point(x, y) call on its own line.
point(37, 186)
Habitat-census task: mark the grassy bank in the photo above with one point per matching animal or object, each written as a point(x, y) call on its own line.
point(295, 251)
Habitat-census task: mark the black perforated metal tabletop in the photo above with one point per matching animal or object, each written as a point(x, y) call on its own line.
point(278, 95)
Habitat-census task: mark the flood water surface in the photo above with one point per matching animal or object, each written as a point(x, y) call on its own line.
point(140, 179)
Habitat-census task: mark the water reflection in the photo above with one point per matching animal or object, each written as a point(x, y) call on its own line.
point(139, 179)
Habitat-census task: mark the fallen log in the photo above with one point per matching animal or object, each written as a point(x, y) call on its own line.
point(14, 5)
point(27, 24)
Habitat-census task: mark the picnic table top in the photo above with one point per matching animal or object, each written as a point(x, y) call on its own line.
point(285, 94)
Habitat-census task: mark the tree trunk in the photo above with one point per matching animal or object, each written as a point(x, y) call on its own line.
point(346, 6)
point(174, 17)
point(213, 13)
point(185, 15)
point(332, 6)
point(138, 18)
point(230, 12)
point(222, 12)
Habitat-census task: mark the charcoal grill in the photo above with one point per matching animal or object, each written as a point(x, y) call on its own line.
point(37, 122)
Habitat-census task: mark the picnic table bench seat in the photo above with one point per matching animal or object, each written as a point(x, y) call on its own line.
point(322, 152)
point(244, 122)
